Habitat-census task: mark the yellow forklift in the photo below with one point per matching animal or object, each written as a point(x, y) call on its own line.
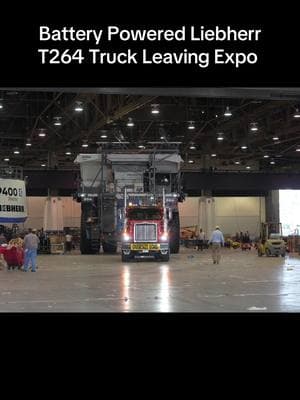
point(271, 242)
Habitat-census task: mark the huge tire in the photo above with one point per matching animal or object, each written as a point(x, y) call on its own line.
point(110, 247)
point(87, 244)
point(174, 230)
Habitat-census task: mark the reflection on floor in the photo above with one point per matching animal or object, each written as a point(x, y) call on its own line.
point(190, 282)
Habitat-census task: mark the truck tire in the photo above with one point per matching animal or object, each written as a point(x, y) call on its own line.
point(268, 253)
point(126, 258)
point(165, 257)
point(174, 234)
point(110, 248)
point(87, 245)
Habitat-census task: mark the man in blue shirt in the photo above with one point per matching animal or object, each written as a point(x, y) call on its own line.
point(216, 240)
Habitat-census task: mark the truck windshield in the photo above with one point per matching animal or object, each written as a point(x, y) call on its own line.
point(144, 214)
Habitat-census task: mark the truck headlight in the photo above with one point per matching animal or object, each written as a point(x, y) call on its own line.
point(126, 237)
point(164, 237)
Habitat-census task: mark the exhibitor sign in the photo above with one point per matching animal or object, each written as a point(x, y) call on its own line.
point(13, 207)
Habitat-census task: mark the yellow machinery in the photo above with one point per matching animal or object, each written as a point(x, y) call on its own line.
point(271, 242)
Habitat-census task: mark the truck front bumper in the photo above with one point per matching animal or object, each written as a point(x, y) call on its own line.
point(145, 249)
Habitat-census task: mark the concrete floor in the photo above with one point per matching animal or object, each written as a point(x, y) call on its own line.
point(190, 282)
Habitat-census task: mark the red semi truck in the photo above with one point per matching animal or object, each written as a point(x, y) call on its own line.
point(145, 233)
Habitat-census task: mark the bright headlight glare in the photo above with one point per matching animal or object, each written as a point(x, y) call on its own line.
point(126, 237)
point(164, 236)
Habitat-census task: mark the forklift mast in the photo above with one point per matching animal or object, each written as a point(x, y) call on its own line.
point(267, 228)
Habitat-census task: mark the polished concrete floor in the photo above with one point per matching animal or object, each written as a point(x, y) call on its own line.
point(190, 282)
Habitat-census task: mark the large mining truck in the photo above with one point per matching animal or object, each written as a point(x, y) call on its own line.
point(109, 179)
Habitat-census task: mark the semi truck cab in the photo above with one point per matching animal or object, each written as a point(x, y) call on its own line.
point(145, 234)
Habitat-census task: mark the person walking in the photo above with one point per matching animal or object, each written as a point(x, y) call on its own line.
point(31, 243)
point(201, 238)
point(216, 240)
point(68, 242)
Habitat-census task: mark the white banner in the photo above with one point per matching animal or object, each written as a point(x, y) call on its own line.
point(13, 207)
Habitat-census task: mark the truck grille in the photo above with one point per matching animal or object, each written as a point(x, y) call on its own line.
point(145, 233)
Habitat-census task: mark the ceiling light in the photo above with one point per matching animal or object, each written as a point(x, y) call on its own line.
point(28, 143)
point(42, 132)
point(297, 113)
point(130, 123)
point(16, 151)
point(57, 121)
point(162, 138)
point(191, 161)
point(248, 167)
point(227, 112)
point(84, 145)
point(191, 125)
point(6, 159)
point(244, 147)
point(43, 165)
point(220, 138)
point(141, 146)
point(202, 112)
point(266, 156)
point(154, 109)
point(253, 127)
point(216, 115)
point(213, 155)
point(1, 106)
point(193, 147)
point(298, 149)
point(272, 162)
point(103, 136)
point(275, 138)
point(68, 153)
point(78, 106)
point(237, 162)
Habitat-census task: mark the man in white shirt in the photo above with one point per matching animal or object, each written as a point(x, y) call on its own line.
point(216, 240)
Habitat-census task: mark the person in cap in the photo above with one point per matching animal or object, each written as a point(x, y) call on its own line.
point(31, 243)
point(216, 240)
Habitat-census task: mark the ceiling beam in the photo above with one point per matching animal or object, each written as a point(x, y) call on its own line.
point(264, 93)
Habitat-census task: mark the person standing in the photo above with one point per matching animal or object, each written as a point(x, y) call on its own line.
point(31, 243)
point(68, 242)
point(201, 238)
point(216, 240)
point(2, 239)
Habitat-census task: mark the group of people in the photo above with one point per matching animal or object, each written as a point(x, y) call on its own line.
point(242, 237)
point(30, 247)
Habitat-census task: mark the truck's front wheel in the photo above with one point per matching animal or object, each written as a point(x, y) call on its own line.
point(165, 257)
point(126, 257)
point(175, 234)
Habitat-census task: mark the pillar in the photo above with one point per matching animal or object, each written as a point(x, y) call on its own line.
point(272, 206)
point(207, 214)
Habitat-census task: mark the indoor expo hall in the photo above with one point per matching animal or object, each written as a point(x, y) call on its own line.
point(149, 200)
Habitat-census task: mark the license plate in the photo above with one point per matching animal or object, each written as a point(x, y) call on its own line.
point(145, 246)
point(154, 246)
